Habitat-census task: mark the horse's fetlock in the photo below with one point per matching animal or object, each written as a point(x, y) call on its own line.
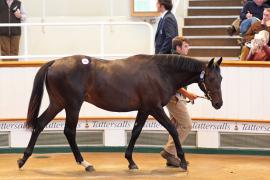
point(181, 156)
point(27, 154)
point(128, 155)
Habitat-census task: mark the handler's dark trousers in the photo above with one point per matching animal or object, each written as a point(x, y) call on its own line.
point(9, 46)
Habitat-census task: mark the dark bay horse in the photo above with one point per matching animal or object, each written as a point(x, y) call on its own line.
point(142, 82)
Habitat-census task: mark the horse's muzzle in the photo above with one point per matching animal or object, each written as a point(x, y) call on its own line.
point(217, 105)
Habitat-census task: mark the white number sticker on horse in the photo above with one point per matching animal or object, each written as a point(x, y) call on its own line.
point(85, 61)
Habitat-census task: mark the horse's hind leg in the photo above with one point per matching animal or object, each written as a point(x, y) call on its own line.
point(163, 119)
point(72, 115)
point(42, 121)
point(139, 123)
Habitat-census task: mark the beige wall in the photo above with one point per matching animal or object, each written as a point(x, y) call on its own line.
point(78, 7)
point(86, 39)
point(238, 87)
point(86, 7)
point(58, 40)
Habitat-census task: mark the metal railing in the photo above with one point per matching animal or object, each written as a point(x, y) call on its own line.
point(102, 25)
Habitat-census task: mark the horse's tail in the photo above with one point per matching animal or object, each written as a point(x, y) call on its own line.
point(36, 96)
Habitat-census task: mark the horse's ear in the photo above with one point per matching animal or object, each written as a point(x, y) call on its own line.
point(219, 61)
point(211, 62)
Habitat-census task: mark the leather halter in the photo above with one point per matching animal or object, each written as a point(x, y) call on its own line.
point(203, 86)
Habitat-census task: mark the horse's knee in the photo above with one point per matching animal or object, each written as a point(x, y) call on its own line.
point(68, 132)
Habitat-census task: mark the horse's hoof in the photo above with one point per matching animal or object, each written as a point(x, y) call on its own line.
point(184, 165)
point(20, 163)
point(90, 169)
point(133, 167)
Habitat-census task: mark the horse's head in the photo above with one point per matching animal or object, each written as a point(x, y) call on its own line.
point(210, 83)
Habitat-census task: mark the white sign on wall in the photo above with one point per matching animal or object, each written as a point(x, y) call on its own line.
point(145, 5)
point(221, 126)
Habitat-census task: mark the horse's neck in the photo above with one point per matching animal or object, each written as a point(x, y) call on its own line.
point(182, 79)
point(183, 70)
point(194, 78)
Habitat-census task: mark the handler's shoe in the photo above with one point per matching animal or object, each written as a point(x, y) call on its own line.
point(172, 161)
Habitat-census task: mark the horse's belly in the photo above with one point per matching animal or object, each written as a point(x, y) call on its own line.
point(115, 107)
point(115, 103)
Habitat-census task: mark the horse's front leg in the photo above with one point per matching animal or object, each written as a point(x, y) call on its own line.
point(164, 120)
point(138, 125)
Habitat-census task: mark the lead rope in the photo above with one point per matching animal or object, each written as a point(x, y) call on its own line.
point(206, 92)
point(192, 101)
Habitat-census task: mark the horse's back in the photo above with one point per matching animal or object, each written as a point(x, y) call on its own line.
point(74, 66)
point(123, 84)
point(118, 85)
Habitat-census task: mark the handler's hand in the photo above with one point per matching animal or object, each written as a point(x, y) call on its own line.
point(249, 15)
point(18, 14)
point(191, 96)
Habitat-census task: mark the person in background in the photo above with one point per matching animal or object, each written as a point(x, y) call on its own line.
point(178, 110)
point(259, 51)
point(11, 11)
point(235, 26)
point(251, 13)
point(167, 28)
point(264, 24)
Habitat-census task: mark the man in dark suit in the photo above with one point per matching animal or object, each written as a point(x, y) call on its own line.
point(167, 28)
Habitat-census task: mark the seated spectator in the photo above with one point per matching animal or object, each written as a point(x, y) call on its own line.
point(264, 24)
point(234, 27)
point(251, 13)
point(259, 51)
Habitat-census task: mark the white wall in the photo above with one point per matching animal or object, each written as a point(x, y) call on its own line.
point(180, 14)
point(37, 8)
point(125, 39)
point(245, 95)
point(86, 39)
point(77, 8)
point(16, 86)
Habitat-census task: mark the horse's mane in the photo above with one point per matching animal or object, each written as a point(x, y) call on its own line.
point(179, 62)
